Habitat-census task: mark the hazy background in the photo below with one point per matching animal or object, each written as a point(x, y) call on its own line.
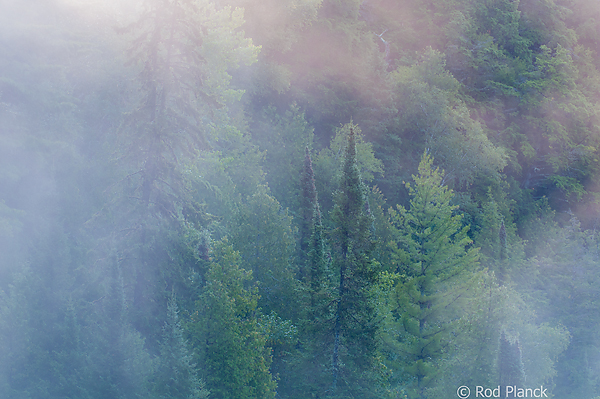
point(155, 230)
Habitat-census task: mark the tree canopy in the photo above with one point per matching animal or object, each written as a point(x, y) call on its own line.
point(298, 198)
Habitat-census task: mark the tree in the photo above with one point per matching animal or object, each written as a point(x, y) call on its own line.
point(264, 236)
point(356, 325)
point(567, 287)
point(283, 136)
point(176, 376)
point(312, 363)
point(123, 366)
point(314, 265)
point(510, 365)
point(183, 88)
point(436, 264)
point(308, 210)
point(226, 334)
point(183, 51)
point(435, 117)
point(329, 163)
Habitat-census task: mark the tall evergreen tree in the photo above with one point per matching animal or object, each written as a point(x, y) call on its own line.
point(183, 89)
point(317, 265)
point(355, 327)
point(263, 234)
point(183, 51)
point(435, 263)
point(313, 363)
point(176, 376)
point(315, 273)
point(307, 210)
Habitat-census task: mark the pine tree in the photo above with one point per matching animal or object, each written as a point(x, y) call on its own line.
point(355, 326)
point(435, 263)
point(176, 376)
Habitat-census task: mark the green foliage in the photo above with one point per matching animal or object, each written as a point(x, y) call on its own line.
point(264, 236)
point(496, 235)
point(308, 207)
point(330, 161)
point(183, 86)
point(316, 318)
point(124, 153)
point(433, 117)
point(383, 230)
point(175, 377)
point(356, 324)
point(436, 266)
point(226, 333)
point(284, 139)
point(510, 365)
point(276, 26)
point(567, 281)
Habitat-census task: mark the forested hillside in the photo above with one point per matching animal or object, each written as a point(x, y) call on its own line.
point(238, 199)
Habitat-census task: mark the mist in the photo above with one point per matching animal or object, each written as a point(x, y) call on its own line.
point(299, 199)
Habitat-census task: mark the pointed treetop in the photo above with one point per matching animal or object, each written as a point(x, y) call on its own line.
point(308, 177)
point(351, 150)
point(502, 234)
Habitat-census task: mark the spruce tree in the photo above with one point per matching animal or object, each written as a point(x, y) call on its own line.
point(176, 376)
point(316, 324)
point(307, 211)
point(317, 265)
point(184, 51)
point(312, 240)
point(355, 323)
point(435, 261)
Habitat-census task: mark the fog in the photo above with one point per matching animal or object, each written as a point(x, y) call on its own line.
point(299, 199)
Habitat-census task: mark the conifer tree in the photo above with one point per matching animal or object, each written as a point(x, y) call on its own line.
point(184, 51)
point(317, 265)
point(307, 210)
point(312, 241)
point(183, 89)
point(121, 366)
point(355, 325)
point(510, 365)
point(233, 357)
point(318, 315)
point(176, 376)
point(502, 270)
point(435, 261)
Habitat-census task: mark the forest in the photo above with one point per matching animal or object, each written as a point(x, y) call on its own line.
point(236, 199)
